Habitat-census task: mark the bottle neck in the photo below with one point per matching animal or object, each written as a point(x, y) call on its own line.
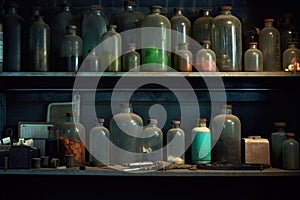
point(281, 129)
point(205, 46)
point(176, 125)
point(268, 24)
point(226, 111)
point(70, 119)
point(66, 9)
point(252, 46)
point(126, 109)
point(129, 8)
point(11, 10)
point(225, 12)
point(202, 124)
point(178, 12)
point(206, 13)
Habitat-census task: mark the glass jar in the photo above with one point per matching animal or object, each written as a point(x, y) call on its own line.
point(155, 50)
point(72, 140)
point(183, 59)
point(277, 138)
point(291, 58)
point(269, 44)
point(111, 50)
point(206, 58)
point(126, 129)
point(71, 50)
point(99, 144)
point(226, 137)
point(58, 30)
point(94, 24)
point(290, 152)
point(253, 58)
point(39, 45)
point(175, 149)
point(131, 59)
point(153, 142)
point(201, 28)
point(226, 40)
point(92, 62)
point(201, 144)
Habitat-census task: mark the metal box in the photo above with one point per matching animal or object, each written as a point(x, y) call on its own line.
point(255, 150)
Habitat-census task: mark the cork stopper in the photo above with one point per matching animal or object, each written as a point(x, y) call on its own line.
point(100, 120)
point(269, 20)
point(279, 124)
point(290, 134)
point(176, 122)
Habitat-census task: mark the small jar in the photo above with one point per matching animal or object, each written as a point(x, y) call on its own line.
point(206, 58)
point(131, 59)
point(183, 58)
point(253, 58)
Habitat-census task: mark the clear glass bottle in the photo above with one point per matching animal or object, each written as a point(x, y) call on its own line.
point(94, 24)
point(111, 50)
point(153, 142)
point(39, 45)
point(131, 59)
point(92, 62)
point(71, 50)
point(126, 129)
point(72, 140)
point(291, 57)
point(205, 58)
point(269, 44)
point(253, 58)
point(277, 138)
point(1, 47)
point(201, 28)
point(226, 40)
point(99, 144)
point(287, 29)
point(155, 50)
point(226, 137)
point(201, 144)
point(183, 59)
point(175, 141)
point(290, 152)
point(58, 30)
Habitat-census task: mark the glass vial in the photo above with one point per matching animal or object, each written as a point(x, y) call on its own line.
point(226, 40)
point(201, 144)
point(269, 44)
point(153, 142)
point(277, 138)
point(291, 58)
point(71, 50)
point(99, 144)
point(205, 58)
point(290, 152)
point(131, 59)
point(226, 137)
point(175, 149)
point(111, 50)
point(155, 50)
point(183, 59)
point(201, 29)
point(253, 58)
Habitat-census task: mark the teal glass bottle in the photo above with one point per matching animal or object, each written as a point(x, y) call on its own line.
point(205, 58)
point(201, 144)
point(291, 57)
point(175, 141)
point(253, 58)
point(277, 138)
point(183, 59)
point(131, 59)
point(201, 28)
point(290, 152)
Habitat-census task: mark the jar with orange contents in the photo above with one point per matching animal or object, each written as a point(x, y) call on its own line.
point(72, 140)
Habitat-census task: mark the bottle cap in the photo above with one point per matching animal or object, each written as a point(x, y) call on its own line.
point(205, 42)
point(202, 119)
point(269, 20)
point(175, 122)
point(226, 106)
point(225, 8)
point(279, 124)
point(252, 43)
point(100, 120)
point(290, 134)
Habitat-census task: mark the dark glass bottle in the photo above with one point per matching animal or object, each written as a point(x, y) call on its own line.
point(94, 25)
point(39, 45)
point(253, 58)
point(58, 30)
point(226, 137)
point(71, 50)
point(201, 28)
point(290, 152)
point(277, 138)
point(183, 59)
point(205, 58)
point(131, 59)
point(291, 58)
point(51, 146)
point(14, 36)
point(1, 47)
point(111, 50)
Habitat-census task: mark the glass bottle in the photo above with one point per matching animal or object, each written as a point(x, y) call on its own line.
point(226, 40)
point(58, 30)
point(277, 138)
point(201, 144)
point(111, 50)
point(71, 50)
point(1, 47)
point(93, 26)
point(51, 146)
point(205, 58)
point(156, 54)
point(253, 58)
point(269, 44)
point(226, 137)
point(126, 129)
point(175, 149)
point(72, 140)
point(92, 62)
point(131, 59)
point(99, 144)
point(39, 45)
point(201, 28)
point(130, 19)
point(14, 41)
point(290, 152)
point(153, 142)
point(287, 29)
point(291, 57)
point(183, 59)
